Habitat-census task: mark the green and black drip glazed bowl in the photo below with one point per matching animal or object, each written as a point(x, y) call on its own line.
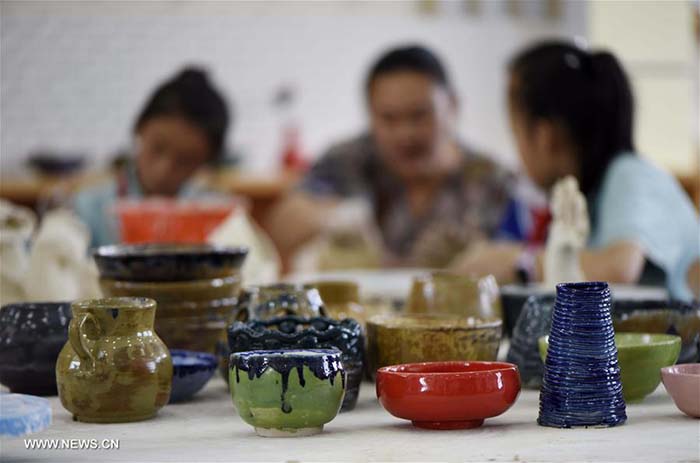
point(288, 392)
point(294, 332)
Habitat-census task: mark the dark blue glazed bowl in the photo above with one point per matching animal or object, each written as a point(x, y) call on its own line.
point(168, 262)
point(31, 337)
point(191, 372)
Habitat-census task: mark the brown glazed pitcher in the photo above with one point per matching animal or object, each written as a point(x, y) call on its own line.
point(114, 368)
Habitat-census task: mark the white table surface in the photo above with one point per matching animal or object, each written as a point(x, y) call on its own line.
point(208, 429)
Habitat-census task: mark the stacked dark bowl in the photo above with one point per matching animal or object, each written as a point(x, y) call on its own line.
point(581, 384)
point(196, 287)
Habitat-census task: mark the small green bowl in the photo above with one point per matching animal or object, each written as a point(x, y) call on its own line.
point(641, 357)
point(287, 393)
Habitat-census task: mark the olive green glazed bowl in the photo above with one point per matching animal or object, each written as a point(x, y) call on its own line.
point(287, 393)
point(641, 357)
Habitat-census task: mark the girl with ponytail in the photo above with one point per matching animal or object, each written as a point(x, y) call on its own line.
point(181, 127)
point(572, 114)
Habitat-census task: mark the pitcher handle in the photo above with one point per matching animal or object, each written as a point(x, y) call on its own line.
point(77, 334)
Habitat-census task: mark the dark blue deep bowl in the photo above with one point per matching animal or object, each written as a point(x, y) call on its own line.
point(191, 372)
point(168, 262)
point(32, 335)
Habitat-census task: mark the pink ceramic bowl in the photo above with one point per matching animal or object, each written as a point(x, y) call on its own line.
point(683, 383)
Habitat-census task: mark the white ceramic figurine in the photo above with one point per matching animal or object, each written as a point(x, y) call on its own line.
point(568, 234)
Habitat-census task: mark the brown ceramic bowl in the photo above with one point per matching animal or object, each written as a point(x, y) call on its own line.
point(174, 291)
point(196, 326)
point(675, 318)
point(454, 294)
point(431, 338)
point(341, 299)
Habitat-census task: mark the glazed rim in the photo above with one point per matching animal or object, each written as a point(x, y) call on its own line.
point(35, 305)
point(295, 288)
point(584, 286)
point(168, 285)
point(451, 277)
point(271, 327)
point(682, 369)
point(167, 250)
point(637, 340)
point(433, 322)
point(288, 353)
point(194, 358)
point(399, 369)
point(130, 303)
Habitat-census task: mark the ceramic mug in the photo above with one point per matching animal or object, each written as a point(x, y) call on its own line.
point(449, 293)
point(114, 368)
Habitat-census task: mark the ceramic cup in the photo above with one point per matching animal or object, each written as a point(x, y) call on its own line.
point(31, 336)
point(287, 393)
point(114, 368)
point(447, 293)
point(581, 384)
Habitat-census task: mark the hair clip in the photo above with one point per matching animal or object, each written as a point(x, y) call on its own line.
point(572, 61)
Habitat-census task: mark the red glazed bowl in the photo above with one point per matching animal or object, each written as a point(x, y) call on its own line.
point(448, 395)
point(160, 220)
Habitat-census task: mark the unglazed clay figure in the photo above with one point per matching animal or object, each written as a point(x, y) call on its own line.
point(58, 267)
point(16, 227)
point(568, 233)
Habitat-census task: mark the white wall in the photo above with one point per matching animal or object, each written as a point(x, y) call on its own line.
point(74, 74)
point(655, 42)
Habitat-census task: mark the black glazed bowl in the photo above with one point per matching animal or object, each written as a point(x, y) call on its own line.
point(624, 299)
point(168, 262)
point(662, 316)
point(31, 337)
point(191, 372)
point(306, 333)
point(54, 164)
point(514, 297)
